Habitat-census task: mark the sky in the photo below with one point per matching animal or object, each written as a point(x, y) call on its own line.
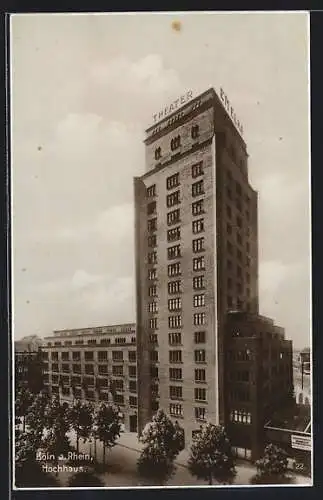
point(84, 88)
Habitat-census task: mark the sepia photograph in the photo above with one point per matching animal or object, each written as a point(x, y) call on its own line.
point(161, 250)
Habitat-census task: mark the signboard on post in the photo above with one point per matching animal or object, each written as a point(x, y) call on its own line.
point(301, 442)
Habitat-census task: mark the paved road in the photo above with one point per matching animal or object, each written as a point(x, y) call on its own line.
point(121, 470)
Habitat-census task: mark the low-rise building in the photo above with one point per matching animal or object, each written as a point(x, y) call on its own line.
point(259, 379)
point(95, 364)
point(28, 370)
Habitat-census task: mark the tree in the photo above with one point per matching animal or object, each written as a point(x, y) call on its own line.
point(36, 417)
point(163, 441)
point(57, 423)
point(81, 417)
point(23, 401)
point(108, 426)
point(211, 456)
point(273, 466)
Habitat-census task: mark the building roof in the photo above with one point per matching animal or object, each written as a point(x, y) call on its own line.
point(296, 419)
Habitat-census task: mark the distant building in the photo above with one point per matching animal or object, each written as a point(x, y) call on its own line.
point(30, 343)
point(95, 364)
point(28, 370)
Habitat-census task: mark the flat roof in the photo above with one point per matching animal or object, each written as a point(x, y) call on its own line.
point(297, 420)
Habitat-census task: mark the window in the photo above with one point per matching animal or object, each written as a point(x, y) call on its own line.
point(175, 373)
point(175, 143)
point(239, 271)
point(198, 207)
point(176, 410)
point(175, 304)
point(91, 341)
point(103, 369)
point(198, 263)
point(200, 394)
point(153, 338)
point(248, 246)
point(239, 238)
point(172, 181)
point(229, 228)
point(79, 342)
point(154, 405)
point(175, 338)
point(175, 356)
point(153, 356)
point(151, 208)
point(89, 369)
point(229, 193)
point(238, 204)
point(152, 241)
point(174, 287)
point(132, 356)
point(199, 300)
point(157, 153)
point(76, 368)
point(174, 252)
point(198, 245)
point(154, 372)
point(174, 234)
point(195, 132)
point(198, 188)
point(132, 401)
point(55, 379)
point(197, 170)
point(88, 356)
point(248, 292)
point(239, 288)
point(119, 399)
point(174, 269)
point(117, 370)
point(153, 323)
point(153, 307)
point(152, 225)
point(239, 255)
point(57, 343)
point(152, 274)
point(65, 367)
point(151, 191)
point(175, 392)
point(238, 188)
point(240, 416)
point(152, 291)
point(229, 247)
point(105, 341)
point(152, 257)
point(229, 301)
point(200, 375)
point(198, 226)
point(68, 342)
point(117, 356)
point(132, 371)
point(173, 199)
point(199, 356)
point(173, 217)
point(132, 386)
point(174, 321)
point(198, 283)
point(229, 264)
point(102, 355)
point(120, 340)
point(65, 356)
point(54, 356)
point(229, 283)
point(199, 337)
point(200, 413)
point(229, 212)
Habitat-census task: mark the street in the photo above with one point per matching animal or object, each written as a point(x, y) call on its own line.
point(121, 467)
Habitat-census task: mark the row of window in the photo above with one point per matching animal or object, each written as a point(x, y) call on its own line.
point(176, 356)
point(176, 410)
point(240, 416)
point(175, 142)
point(175, 286)
point(176, 321)
point(90, 355)
point(117, 370)
point(104, 341)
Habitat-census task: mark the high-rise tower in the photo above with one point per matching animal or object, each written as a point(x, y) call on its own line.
point(196, 257)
